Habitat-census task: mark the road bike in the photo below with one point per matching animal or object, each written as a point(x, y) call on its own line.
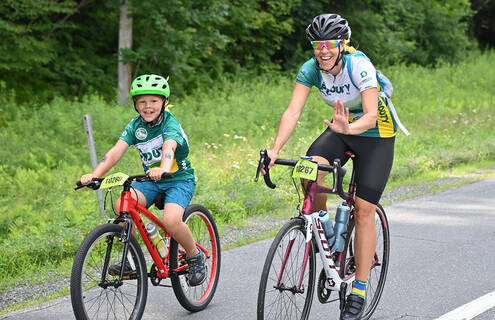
point(289, 274)
point(99, 293)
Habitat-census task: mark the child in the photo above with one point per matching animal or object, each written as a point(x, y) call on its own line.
point(163, 147)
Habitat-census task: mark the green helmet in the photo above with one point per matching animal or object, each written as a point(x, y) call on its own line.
point(150, 84)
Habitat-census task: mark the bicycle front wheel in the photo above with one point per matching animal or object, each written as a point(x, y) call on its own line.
point(205, 233)
point(379, 267)
point(95, 293)
point(288, 278)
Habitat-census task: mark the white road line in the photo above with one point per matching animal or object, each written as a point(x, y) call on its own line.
point(471, 309)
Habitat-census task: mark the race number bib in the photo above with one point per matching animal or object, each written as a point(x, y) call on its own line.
point(306, 169)
point(116, 179)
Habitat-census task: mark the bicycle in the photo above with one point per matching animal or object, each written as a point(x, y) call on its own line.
point(288, 278)
point(97, 293)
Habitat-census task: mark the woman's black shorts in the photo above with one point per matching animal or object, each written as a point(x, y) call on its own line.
point(373, 161)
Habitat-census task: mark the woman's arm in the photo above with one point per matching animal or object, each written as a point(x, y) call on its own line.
point(289, 119)
point(340, 123)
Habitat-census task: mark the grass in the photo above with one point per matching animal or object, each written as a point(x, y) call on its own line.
point(448, 111)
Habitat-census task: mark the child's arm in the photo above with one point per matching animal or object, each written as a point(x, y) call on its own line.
point(109, 160)
point(168, 152)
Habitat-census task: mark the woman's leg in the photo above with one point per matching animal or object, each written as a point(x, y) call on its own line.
point(320, 200)
point(374, 159)
point(327, 147)
point(365, 239)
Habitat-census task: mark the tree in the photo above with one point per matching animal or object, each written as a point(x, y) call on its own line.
point(125, 42)
point(483, 23)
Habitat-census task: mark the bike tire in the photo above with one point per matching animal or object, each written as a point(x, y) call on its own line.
point(378, 272)
point(204, 231)
point(89, 296)
point(276, 303)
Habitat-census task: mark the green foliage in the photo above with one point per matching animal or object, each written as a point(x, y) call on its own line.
point(57, 46)
point(447, 109)
point(70, 48)
point(198, 41)
point(391, 31)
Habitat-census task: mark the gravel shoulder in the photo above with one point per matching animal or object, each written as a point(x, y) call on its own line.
point(253, 229)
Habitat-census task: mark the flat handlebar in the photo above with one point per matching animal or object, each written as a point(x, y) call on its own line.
point(96, 182)
point(335, 168)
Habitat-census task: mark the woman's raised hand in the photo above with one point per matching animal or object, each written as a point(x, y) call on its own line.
point(340, 122)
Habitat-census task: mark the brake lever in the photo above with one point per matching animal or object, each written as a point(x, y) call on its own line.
point(264, 160)
point(263, 154)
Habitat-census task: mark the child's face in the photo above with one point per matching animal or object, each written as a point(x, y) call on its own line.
point(149, 106)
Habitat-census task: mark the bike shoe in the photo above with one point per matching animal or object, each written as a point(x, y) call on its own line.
point(354, 308)
point(114, 269)
point(197, 269)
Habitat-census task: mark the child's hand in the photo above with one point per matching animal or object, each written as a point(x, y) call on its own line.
point(155, 173)
point(85, 179)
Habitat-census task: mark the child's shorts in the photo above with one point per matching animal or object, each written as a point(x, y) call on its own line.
point(180, 192)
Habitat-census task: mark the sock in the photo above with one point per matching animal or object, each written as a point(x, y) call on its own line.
point(359, 288)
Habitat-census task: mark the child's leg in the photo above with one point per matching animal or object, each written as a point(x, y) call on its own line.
point(172, 219)
point(138, 195)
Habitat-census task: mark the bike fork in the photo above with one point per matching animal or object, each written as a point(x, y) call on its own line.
point(284, 262)
point(287, 253)
point(126, 234)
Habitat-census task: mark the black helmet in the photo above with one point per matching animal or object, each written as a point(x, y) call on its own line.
point(328, 26)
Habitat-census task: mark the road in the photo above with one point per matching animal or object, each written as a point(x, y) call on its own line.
point(442, 257)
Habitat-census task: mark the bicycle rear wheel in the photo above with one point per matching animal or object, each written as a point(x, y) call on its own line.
point(205, 233)
point(379, 268)
point(278, 296)
point(96, 294)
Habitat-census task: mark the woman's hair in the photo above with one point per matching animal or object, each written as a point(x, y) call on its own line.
point(347, 48)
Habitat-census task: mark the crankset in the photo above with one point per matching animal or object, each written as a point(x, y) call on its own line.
point(153, 275)
point(322, 292)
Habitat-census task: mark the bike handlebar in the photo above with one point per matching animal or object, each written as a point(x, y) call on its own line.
point(95, 183)
point(336, 168)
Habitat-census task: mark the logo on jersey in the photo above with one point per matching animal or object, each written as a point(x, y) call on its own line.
point(141, 133)
point(124, 133)
point(335, 89)
point(364, 74)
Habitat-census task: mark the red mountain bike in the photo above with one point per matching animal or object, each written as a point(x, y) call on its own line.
point(288, 278)
point(98, 293)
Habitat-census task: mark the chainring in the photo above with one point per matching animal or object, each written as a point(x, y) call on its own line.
point(322, 292)
point(155, 280)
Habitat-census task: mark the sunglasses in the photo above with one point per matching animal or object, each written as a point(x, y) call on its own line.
point(329, 44)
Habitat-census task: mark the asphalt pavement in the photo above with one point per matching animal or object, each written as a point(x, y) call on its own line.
point(442, 257)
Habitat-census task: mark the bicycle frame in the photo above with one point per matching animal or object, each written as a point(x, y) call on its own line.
point(315, 229)
point(129, 205)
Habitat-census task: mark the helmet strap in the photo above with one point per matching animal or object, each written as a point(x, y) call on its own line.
point(339, 58)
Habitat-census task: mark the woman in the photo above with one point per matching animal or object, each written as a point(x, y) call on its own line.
point(363, 122)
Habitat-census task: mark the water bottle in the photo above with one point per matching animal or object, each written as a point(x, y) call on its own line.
point(340, 227)
point(157, 239)
point(327, 227)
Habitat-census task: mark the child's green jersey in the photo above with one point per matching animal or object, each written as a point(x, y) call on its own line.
point(149, 142)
